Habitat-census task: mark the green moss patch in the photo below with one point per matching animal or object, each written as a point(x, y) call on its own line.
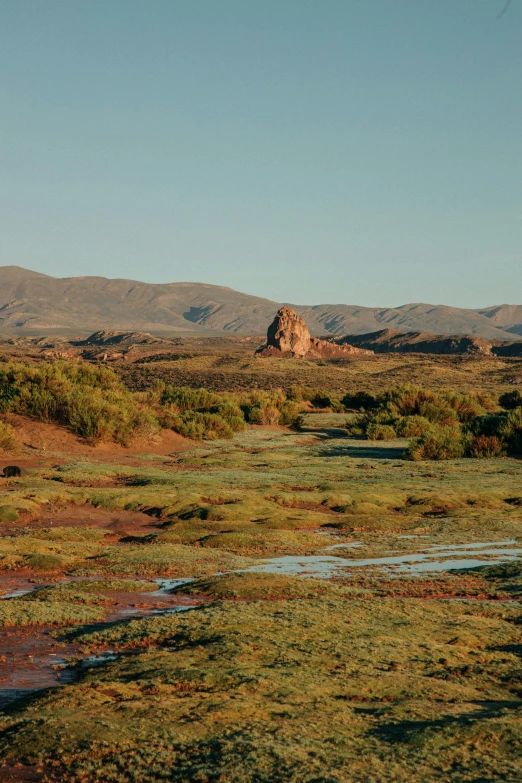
point(256, 586)
point(315, 690)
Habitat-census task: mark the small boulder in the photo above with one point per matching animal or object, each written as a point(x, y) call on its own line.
point(13, 471)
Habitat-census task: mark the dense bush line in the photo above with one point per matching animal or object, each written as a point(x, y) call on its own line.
point(91, 401)
point(442, 425)
point(197, 413)
point(94, 403)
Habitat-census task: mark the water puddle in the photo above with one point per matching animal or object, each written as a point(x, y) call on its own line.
point(351, 545)
point(166, 585)
point(434, 559)
point(319, 566)
point(32, 660)
point(17, 593)
point(17, 586)
point(476, 545)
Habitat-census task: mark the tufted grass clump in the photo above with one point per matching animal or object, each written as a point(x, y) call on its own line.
point(8, 514)
point(258, 586)
point(18, 612)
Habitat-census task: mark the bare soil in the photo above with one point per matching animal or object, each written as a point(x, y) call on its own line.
point(46, 444)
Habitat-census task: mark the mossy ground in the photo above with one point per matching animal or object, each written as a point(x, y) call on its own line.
point(323, 689)
point(280, 678)
point(67, 603)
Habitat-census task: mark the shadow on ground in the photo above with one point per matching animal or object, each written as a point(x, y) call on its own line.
point(363, 450)
point(413, 731)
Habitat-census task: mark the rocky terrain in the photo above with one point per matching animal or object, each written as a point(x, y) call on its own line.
point(32, 303)
point(390, 341)
point(108, 337)
point(288, 335)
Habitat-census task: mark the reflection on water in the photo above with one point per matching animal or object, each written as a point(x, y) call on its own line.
point(166, 585)
point(434, 559)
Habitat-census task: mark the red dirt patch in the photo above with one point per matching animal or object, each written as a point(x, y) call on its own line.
point(119, 523)
point(42, 442)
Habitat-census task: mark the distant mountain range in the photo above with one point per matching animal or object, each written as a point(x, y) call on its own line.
point(33, 302)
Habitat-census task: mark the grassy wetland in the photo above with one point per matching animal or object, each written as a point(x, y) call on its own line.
point(298, 583)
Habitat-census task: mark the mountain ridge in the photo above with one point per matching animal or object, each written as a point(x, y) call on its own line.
point(33, 301)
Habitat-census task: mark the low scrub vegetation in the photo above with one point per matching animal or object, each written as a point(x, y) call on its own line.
point(442, 425)
point(290, 691)
point(91, 401)
point(94, 403)
point(8, 440)
point(199, 414)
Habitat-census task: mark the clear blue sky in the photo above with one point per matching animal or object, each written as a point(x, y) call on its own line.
point(358, 151)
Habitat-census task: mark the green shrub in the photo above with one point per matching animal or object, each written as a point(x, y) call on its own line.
point(321, 400)
point(488, 401)
point(507, 427)
point(200, 414)
point(488, 424)
point(438, 412)
point(356, 426)
point(231, 413)
point(412, 426)
point(299, 393)
point(203, 426)
point(8, 438)
point(429, 417)
point(405, 400)
point(8, 392)
point(511, 400)
point(266, 414)
point(486, 446)
point(466, 407)
point(439, 443)
point(91, 401)
point(380, 432)
point(289, 413)
point(186, 399)
point(359, 401)
point(511, 430)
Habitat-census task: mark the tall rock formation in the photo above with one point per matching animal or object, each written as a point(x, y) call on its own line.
point(288, 335)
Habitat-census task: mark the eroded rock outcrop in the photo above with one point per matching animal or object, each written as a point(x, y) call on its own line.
point(108, 337)
point(288, 335)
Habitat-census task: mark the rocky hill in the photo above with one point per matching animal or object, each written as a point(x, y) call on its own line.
point(108, 337)
point(390, 341)
point(31, 302)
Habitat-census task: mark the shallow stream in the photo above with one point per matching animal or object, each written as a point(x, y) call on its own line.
point(32, 659)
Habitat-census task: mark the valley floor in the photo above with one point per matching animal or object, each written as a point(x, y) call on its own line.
point(284, 606)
